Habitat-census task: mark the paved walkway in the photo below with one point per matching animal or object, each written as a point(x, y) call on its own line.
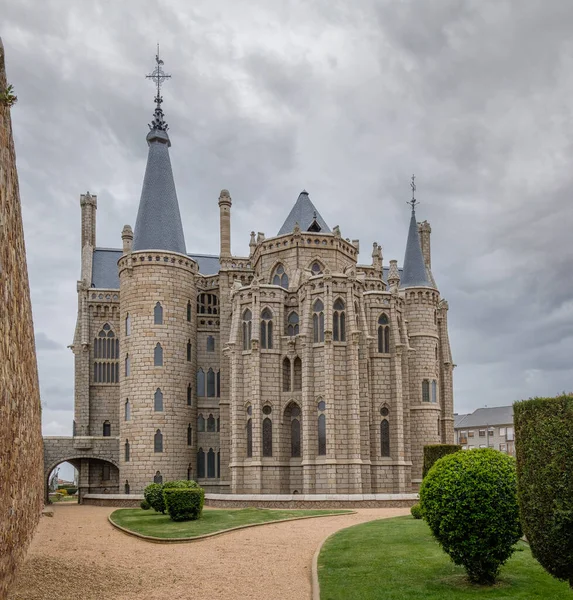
point(78, 554)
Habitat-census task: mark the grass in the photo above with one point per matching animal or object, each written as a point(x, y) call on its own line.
point(149, 522)
point(398, 559)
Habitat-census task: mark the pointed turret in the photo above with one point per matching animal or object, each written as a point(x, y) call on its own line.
point(158, 225)
point(305, 214)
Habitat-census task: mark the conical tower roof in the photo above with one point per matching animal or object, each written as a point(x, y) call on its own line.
point(305, 214)
point(414, 272)
point(158, 225)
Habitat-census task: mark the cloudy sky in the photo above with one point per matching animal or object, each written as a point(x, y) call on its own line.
point(345, 99)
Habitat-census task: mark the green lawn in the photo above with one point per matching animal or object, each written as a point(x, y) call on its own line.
point(398, 559)
point(149, 522)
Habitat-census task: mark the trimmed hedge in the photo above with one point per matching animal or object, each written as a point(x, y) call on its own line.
point(544, 452)
point(181, 483)
point(434, 453)
point(416, 511)
point(153, 494)
point(469, 500)
point(184, 504)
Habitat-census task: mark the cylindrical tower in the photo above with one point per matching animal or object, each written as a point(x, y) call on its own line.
point(157, 345)
point(225, 223)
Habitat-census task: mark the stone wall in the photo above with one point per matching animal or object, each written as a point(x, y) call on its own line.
point(20, 420)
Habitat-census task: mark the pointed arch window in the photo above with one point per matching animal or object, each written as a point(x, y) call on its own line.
point(189, 435)
point(316, 268)
point(322, 435)
point(158, 314)
point(247, 328)
point(189, 395)
point(249, 438)
point(158, 355)
point(189, 347)
point(210, 383)
point(385, 438)
point(158, 441)
point(200, 464)
point(158, 400)
point(211, 463)
point(106, 356)
point(434, 391)
point(127, 365)
point(207, 304)
point(200, 383)
point(127, 411)
point(297, 372)
point(200, 422)
point(339, 321)
point(127, 324)
point(267, 329)
point(211, 425)
point(280, 277)
point(318, 321)
point(383, 334)
point(158, 477)
point(127, 451)
point(210, 343)
point(267, 437)
point(189, 311)
point(286, 375)
point(293, 324)
point(425, 391)
point(292, 414)
point(106, 429)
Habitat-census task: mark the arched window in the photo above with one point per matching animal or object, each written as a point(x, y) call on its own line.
point(267, 437)
point(280, 277)
point(189, 350)
point(127, 324)
point(425, 391)
point(106, 429)
point(210, 343)
point(247, 326)
point(321, 435)
point(249, 438)
point(286, 375)
point(207, 304)
point(189, 310)
point(127, 366)
point(434, 391)
point(383, 334)
point(158, 477)
point(158, 400)
point(189, 395)
point(293, 324)
point(292, 414)
point(200, 383)
point(297, 384)
point(200, 464)
point(200, 422)
point(339, 321)
point(210, 383)
point(126, 487)
point(384, 438)
point(211, 424)
point(127, 414)
point(210, 463)
point(158, 441)
point(316, 268)
point(266, 329)
point(158, 314)
point(127, 457)
point(318, 321)
point(158, 355)
point(106, 356)
point(189, 435)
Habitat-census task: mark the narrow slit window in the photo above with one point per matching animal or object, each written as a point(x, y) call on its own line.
point(158, 314)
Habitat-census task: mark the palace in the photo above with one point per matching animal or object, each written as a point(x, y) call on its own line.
point(292, 369)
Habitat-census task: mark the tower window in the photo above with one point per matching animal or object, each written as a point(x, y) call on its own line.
point(127, 412)
point(127, 457)
point(158, 355)
point(267, 437)
point(106, 356)
point(385, 438)
point(266, 329)
point(127, 366)
point(316, 268)
point(158, 441)
point(106, 429)
point(339, 322)
point(318, 321)
point(158, 314)
point(249, 438)
point(127, 325)
point(425, 391)
point(189, 395)
point(189, 347)
point(292, 324)
point(189, 435)
point(158, 400)
point(247, 328)
point(383, 334)
point(189, 311)
point(210, 343)
point(434, 391)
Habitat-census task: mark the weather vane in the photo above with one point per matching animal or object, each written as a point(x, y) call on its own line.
point(158, 76)
point(413, 202)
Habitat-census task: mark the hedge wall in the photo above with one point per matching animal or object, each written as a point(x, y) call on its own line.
point(433, 453)
point(184, 504)
point(544, 452)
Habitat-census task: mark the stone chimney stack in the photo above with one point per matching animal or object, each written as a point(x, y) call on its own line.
point(225, 223)
point(89, 207)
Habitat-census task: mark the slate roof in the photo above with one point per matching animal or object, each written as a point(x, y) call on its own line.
point(304, 213)
point(158, 225)
point(496, 415)
point(414, 272)
point(105, 274)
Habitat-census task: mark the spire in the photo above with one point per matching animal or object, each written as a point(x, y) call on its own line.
point(305, 214)
point(158, 225)
point(414, 273)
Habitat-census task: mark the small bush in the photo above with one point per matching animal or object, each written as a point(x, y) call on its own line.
point(63, 491)
point(144, 505)
point(184, 504)
point(416, 511)
point(544, 452)
point(435, 452)
point(469, 500)
point(153, 493)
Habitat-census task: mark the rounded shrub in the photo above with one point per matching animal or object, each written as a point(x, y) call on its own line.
point(144, 505)
point(544, 452)
point(153, 493)
point(469, 500)
point(416, 511)
point(184, 503)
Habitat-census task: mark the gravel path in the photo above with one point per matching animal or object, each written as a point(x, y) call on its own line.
point(78, 554)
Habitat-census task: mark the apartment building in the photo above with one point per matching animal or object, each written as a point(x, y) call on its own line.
point(486, 428)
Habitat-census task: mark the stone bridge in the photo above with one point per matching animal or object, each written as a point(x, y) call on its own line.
point(88, 455)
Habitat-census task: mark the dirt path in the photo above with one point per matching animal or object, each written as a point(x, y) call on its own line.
point(78, 554)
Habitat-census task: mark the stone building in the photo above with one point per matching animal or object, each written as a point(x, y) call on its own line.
point(21, 499)
point(486, 428)
point(291, 369)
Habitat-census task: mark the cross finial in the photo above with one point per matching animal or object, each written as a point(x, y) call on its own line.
point(413, 202)
point(158, 76)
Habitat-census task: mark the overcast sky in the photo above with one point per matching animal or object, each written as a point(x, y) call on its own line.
point(345, 99)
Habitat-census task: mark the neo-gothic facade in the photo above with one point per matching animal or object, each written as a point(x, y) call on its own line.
point(292, 369)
